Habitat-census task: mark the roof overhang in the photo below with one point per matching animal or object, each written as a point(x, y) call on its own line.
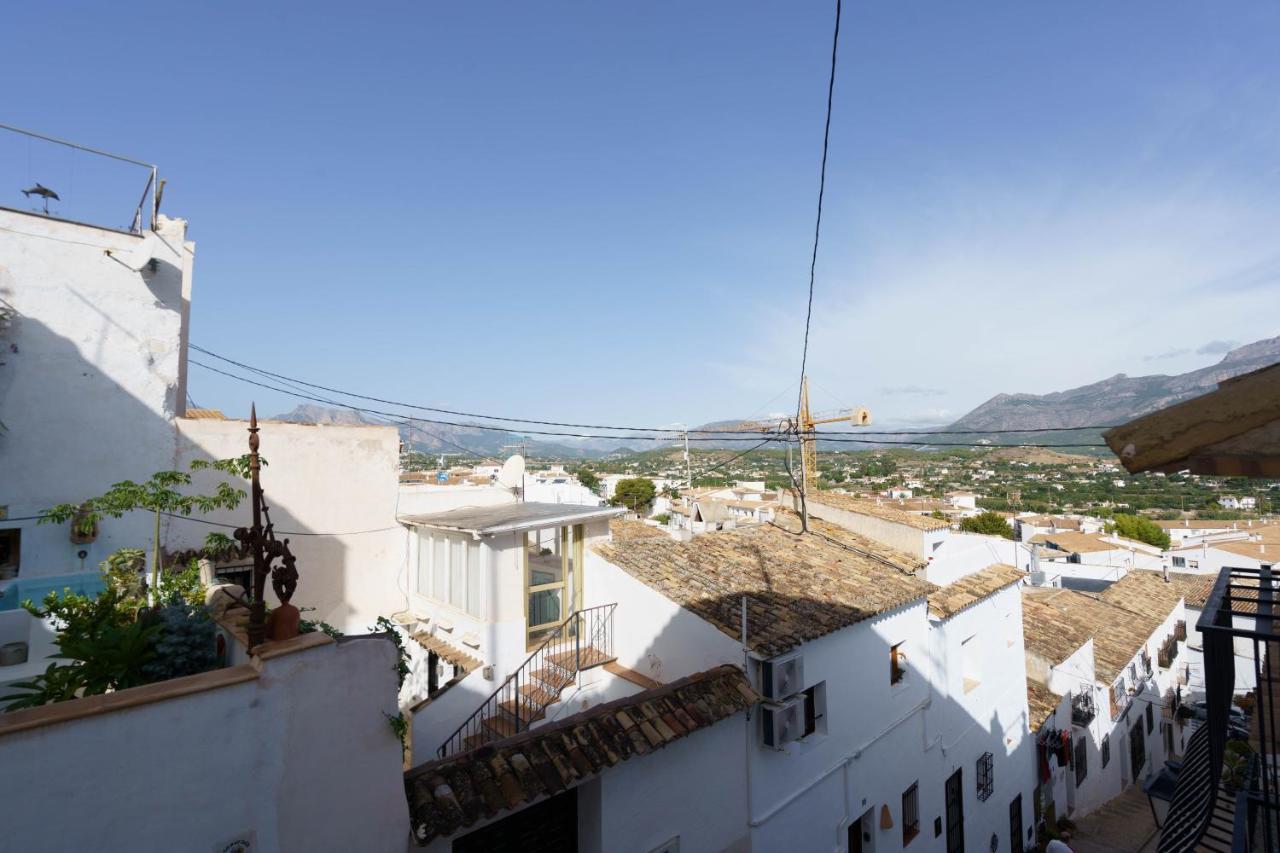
point(1233, 431)
point(511, 518)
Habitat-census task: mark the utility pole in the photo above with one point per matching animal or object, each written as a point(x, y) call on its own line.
point(688, 471)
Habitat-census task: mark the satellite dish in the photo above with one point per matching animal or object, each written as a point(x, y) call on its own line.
point(512, 474)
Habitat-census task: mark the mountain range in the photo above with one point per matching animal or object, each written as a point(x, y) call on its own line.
point(1114, 400)
point(1110, 401)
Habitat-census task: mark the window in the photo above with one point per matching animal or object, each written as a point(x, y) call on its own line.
point(449, 571)
point(1179, 562)
point(10, 540)
point(1082, 761)
point(815, 709)
point(1106, 750)
point(1168, 738)
point(985, 780)
point(553, 578)
point(897, 663)
point(1193, 564)
point(910, 813)
point(1150, 718)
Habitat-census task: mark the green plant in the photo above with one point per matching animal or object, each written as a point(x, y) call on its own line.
point(185, 644)
point(307, 626)
point(633, 493)
point(1141, 529)
point(400, 725)
point(158, 495)
point(989, 523)
point(588, 478)
point(662, 518)
point(402, 654)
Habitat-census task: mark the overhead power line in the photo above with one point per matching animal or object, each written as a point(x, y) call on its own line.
point(822, 188)
point(301, 386)
point(714, 436)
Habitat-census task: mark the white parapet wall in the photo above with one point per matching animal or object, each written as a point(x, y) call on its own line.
point(292, 752)
point(334, 488)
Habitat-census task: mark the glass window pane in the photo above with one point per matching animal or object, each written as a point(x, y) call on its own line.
point(424, 564)
point(457, 573)
point(473, 578)
point(439, 567)
point(545, 606)
point(544, 557)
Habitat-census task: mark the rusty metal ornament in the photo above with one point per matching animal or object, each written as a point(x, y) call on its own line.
point(261, 541)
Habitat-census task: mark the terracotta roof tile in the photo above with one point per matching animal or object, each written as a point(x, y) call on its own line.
point(886, 510)
point(447, 652)
point(1057, 622)
point(799, 587)
point(454, 793)
point(623, 529)
point(1041, 703)
point(1076, 543)
point(949, 600)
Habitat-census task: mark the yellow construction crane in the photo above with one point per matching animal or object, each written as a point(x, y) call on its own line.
point(806, 428)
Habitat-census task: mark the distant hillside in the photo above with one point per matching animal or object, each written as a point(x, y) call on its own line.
point(440, 438)
point(1111, 401)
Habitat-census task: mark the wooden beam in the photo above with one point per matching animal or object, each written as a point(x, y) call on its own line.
point(1174, 434)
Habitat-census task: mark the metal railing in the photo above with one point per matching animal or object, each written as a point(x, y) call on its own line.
point(583, 640)
point(148, 207)
point(1240, 608)
point(1082, 708)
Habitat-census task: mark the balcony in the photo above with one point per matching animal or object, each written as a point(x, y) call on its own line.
point(1225, 797)
point(1082, 708)
point(1168, 651)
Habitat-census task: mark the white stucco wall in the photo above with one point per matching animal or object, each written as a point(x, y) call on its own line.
point(336, 481)
point(302, 758)
point(905, 538)
point(881, 738)
point(91, 362)
point(692, 790)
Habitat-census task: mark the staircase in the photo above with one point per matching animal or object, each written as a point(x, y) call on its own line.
point(580, 642)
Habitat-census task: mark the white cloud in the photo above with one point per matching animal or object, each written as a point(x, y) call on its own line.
point(1017, 296)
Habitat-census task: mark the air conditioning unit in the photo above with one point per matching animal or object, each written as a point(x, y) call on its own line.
point(782, 677)
point(782, 723)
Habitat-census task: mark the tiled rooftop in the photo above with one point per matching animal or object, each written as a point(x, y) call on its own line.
point(1195, 589)
point(1041, 703)
point(628, 528)
point(1076, 543)
point(1057, 622)
point(799, 587)
point(464, 661)
point(456, 792)
point(886, 509)
point(947, 601)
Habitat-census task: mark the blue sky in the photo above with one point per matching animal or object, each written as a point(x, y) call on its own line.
point(604, 211)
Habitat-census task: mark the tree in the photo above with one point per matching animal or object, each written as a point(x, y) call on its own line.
point(588, 478)
point(1141, 529)
point(988, 523)
point(634, 493)
point(158, 495)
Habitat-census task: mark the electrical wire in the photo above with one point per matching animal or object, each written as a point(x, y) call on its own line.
point(822, 188)
point(340, 404)
point(279, 376)
point(714, 435)
point(733, 459)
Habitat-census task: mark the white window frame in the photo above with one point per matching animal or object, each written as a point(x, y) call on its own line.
point(441, 579)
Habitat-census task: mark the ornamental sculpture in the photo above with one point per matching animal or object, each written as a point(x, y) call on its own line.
point(260, 540)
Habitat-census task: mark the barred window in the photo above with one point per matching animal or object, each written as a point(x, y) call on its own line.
point(1150, 719)
point(985, 781)
point(1106, 750)
point(910, 813)
point(1082, 761)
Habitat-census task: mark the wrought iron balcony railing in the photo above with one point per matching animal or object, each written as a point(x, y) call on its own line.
point(1227, 795)
point(1082, 708)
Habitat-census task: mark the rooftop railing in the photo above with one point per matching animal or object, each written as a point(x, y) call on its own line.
point(71, 182)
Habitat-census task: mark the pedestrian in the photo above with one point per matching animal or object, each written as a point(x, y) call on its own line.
point(1060, 845)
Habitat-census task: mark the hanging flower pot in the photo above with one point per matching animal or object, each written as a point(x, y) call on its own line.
point(84, 528)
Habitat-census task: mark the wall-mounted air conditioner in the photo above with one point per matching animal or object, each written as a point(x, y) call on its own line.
point(782, 723)
point(782, 677)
